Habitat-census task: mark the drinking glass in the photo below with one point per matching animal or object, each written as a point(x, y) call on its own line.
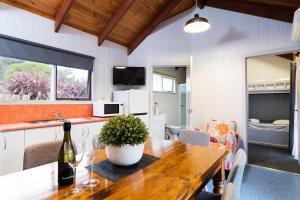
point(79, 148)
point(92, 182)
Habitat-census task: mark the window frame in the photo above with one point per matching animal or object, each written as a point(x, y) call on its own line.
point(89, 87)
point(162, 82)
point(53, 87)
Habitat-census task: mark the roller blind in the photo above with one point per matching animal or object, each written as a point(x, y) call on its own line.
point(25, 50)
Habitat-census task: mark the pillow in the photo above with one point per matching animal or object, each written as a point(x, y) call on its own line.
point(254, 121)
point(281, 122)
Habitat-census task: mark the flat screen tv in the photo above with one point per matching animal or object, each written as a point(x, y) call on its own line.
point(123, 75)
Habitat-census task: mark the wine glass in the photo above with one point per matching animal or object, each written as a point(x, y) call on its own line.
point(92, 182)
point(79, 149)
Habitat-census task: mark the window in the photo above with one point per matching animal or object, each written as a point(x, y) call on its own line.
point(157, 82)
point(22, 80)
point(72, 83)
point(163, 83)
point(66, 76)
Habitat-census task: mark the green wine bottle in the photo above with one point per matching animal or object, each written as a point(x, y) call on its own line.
point(66, 155)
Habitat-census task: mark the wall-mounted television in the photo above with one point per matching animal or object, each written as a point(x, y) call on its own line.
point(123, 75)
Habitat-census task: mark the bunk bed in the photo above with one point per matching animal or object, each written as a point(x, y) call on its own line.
point(278, 86)
point(268, 106)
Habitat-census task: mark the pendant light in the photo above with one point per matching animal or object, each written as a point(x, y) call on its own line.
point(197, 24)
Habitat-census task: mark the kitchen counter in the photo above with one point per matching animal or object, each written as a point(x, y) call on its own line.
point(32, 125)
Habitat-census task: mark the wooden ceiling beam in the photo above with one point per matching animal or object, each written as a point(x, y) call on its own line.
point(289, 56)
point(162, 14)
point(114, 20)
point(279, 3)
point(61, 14)
point(260, 10)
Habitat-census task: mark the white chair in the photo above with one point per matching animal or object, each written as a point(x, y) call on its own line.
point(235, 178)
point(194, 137)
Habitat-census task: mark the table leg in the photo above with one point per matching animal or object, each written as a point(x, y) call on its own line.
point(218, 180)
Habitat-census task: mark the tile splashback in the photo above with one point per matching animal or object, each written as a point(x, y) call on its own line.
point(35, 112)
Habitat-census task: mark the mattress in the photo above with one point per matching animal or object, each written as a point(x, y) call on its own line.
point(269, 126)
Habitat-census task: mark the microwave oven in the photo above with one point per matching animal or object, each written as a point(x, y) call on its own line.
point(107, 109)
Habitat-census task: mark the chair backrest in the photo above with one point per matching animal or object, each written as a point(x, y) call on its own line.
point(96, 143)
point(229, 192)
point(40, 154)
point(194, 137)
point(236, 173)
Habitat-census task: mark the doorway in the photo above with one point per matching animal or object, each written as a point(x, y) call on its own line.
point(168, 100)
point(271, 91)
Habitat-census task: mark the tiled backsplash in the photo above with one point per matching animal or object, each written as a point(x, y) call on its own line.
point(34, 112)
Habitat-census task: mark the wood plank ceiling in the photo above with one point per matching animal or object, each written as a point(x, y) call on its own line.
point(129, 22)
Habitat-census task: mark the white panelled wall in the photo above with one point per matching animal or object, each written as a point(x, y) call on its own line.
point(218, 73)
point(25, 25)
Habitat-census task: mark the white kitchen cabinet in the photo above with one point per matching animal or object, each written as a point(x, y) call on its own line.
point(11, 151)
point(41, 135)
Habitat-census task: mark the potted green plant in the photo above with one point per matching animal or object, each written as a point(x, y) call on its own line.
point(124, 137)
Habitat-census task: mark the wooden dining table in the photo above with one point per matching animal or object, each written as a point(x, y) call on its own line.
point(181, 172)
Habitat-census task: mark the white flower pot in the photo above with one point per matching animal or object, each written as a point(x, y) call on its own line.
point(124, 155)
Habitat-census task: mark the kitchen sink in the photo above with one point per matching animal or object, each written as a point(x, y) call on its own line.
point(46, 122)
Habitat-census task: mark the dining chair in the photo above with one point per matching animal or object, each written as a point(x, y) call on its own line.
point(235, 177)
point(40, 154)
point(96, 143)
point(229, 192)
point(194, 137)
point(237, 171)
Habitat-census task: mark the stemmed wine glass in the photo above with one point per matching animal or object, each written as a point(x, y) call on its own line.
point(79, 149)
point(92, 182)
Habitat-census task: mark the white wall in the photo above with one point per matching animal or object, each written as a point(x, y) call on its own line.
point(169, 102)
point(24, 25)
point(267, 68)
point(218, 72)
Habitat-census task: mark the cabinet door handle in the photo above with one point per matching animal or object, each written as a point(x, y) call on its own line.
point(88, 131)
point(5, 143)
point(56, 136)
point(82, 134)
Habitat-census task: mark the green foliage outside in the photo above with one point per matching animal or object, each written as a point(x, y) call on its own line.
point(27, 66)
point(122, 130)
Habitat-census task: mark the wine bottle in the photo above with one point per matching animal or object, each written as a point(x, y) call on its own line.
point(66, 155)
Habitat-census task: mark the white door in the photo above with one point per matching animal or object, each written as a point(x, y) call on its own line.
point(188, 94)
point(11, 152)
point(41, 135)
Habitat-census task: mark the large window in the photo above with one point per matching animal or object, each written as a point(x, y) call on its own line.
point(162, 83)
point(22, 80)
